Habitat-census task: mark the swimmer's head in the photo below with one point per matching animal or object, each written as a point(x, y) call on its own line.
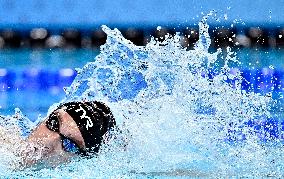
point(73, 128)
point(94, 119)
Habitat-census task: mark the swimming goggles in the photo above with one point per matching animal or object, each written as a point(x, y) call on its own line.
point(68, 145)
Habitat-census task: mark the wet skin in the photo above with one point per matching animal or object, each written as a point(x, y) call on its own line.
point(45, 146)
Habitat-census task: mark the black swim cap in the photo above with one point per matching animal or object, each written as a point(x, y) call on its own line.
point(93, 119)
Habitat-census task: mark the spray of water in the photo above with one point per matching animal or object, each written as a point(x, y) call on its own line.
point(173, 117)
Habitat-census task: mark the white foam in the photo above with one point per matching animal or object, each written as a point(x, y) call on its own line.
point(178, 120)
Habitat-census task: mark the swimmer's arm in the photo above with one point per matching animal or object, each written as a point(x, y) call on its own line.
point(14, 143)
point(11, 143)
point(7, 137)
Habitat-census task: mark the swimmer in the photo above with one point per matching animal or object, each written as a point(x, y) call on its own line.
point(74, 129)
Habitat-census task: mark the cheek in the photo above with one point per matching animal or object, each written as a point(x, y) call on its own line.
point(40, 151)
point(57, 156)
point(48, 146)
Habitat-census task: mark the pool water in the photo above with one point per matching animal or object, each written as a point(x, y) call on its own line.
point(188, 113)
point(32, 80)
point(52, 59)
point(34, 93)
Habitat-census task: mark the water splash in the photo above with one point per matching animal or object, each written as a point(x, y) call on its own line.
point(174, 116)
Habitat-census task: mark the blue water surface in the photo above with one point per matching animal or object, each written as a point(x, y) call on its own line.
point(32, 80)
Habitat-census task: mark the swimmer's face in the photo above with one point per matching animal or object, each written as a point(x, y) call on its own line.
point(47, 146)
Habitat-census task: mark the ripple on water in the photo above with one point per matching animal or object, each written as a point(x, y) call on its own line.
point(174, 117)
